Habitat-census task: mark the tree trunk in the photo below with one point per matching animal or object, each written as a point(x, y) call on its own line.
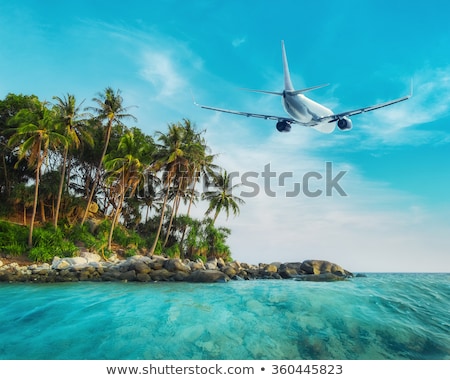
point(152, 250)
point(61, 186)
point(99, 168)
point(42, 208)
point(176, 204)
point(191, 200)
point(35, 202)
point(114, 223)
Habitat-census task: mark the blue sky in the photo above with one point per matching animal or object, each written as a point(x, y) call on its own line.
point(395, 216)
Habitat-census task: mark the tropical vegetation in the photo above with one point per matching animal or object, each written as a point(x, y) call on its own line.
point(75, 177)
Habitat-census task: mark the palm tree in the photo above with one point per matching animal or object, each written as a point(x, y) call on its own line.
point(23, 194)
point(222, 198)
point(72, 123)
point(195, 160)
point(200, 166)
point(37, 132)
point(126, 172)
point(110, 108)
point(170, 157)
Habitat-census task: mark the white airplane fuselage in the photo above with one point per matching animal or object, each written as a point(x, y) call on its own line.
point(303, 109)
point(307, 111)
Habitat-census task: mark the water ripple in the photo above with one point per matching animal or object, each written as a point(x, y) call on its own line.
point(383, 316)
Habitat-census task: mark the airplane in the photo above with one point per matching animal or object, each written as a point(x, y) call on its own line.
point(305, 111)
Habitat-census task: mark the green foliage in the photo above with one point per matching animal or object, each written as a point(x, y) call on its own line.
point(173, 251)
point(204, 240)
point(153, 176)
point(127, 238)
point(48, 243)
point(13, 238)
point(131, 252)
point(80, 233)
point(92, 237)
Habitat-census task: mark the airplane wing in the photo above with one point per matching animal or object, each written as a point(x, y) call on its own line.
point(336, 117)
point(249, 114)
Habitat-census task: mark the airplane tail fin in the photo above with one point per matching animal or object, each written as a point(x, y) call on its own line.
point(288, 87)
point(287, 76)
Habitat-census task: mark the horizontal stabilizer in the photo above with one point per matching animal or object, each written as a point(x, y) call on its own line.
point(263, 91)
point(293, 92)
point(296, 92)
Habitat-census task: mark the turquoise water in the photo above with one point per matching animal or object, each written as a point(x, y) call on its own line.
point(383, 316)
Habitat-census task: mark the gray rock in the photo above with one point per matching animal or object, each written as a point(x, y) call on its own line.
point(141, 267)
point(76, 260)
point(322, 266)
point(270, 268)
point(211, 264)
point(161, 275)
point(157, 263)
point(229, 271)
point(323, 277)
point(180, 276)
point(287, 272)
point(220, 263)
point(128, 276)
point(174, 265)
point(60, 265)
point(143, 277)
point(196, 265)
point(208, 275)
point(91, 257)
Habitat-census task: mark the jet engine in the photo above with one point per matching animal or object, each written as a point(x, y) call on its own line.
point(344, 124)
point(283, 126)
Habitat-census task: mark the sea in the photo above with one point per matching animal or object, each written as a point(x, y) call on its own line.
point(379, 317)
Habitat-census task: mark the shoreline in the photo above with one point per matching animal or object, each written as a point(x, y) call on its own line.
point(91, 267)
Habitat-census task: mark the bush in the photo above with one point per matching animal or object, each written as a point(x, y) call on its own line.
point(127, 238)
point(81, 233)
point(13, 238)
point(48, 242)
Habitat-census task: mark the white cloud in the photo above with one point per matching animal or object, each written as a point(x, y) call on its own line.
point(430, 103)
point(239, 41)
point(159, 69)
point(374, 228)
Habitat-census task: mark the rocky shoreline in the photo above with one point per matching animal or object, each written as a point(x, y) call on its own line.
point(90, 267)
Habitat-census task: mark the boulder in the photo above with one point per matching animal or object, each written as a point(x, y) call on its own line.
point(220, 263)
point(141, 267)
point(157, 263)
point(287, 272)
point(211, 264)
point(143, 277)
point(323, 277)
point(128, 276)
point(208, 275)
point(229, 271)
point(196, 265)
point(161, 275)
point(322, 266)
point(175, 265)
point(60, 265)
point(180, 276)
point(271, 268)
point(91, 257)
